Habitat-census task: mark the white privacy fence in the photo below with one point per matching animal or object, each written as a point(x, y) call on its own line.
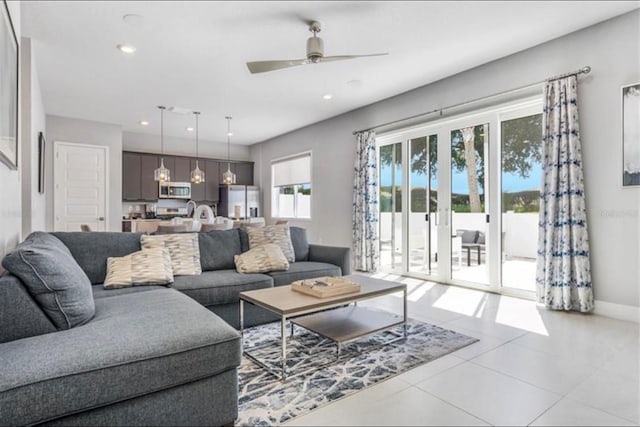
point(286, 205)
point(520, 230)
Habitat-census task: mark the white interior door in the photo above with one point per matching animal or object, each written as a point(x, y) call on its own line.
point(80, 186)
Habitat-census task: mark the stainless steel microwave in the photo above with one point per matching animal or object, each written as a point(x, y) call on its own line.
point(174, 190)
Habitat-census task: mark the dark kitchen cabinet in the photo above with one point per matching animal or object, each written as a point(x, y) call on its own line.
point(212, 180)
point(148, 186)
point(131, 176)
point(198, 190)
point(138, 168)
point(182, 168)
point(244, 173)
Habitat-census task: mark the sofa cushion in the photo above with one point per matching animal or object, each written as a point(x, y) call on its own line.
point(304, 270)
point(278, 234)
point(20, 315)
point(91, 250)
point(217, 249)
point(54, 279)
point(183, 248)
point(221, 286)
point(136, 344)
point(145, 267)
point(100, 292)
point(300, 243)
point(244, 239)
point(262, 259)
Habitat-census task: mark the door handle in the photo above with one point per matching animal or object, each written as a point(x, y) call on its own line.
point(101, 218)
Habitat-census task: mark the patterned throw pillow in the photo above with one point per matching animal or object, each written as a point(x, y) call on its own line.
point(184, 250)
point(278, 234)
point(145, 267)
point(262, 259)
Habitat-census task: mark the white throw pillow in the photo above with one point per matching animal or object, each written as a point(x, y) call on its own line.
point(184, 250)
point(278, 234)
point(261, 259)
point(145, 267)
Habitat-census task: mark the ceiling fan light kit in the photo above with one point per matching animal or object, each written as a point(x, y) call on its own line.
point(315, 55)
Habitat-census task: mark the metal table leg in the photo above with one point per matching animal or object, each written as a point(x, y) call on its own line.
point(242, 323)
point(404, 312)
point(283, 339)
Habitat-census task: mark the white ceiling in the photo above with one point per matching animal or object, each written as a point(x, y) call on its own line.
point(193, 55)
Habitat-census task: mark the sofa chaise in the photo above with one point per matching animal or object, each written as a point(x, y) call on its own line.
point(151, 355)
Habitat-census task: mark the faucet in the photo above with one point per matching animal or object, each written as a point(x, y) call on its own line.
point(193, 211)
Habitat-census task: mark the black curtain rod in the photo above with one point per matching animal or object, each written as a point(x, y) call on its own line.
point(583, 70)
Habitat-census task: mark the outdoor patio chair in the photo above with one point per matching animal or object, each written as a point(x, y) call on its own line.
point(470, 241)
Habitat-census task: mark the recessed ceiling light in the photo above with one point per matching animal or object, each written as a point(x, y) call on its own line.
point(327, 96)
point(189, 129)
point(229, 133)
point(143, 123)
point(127, 48)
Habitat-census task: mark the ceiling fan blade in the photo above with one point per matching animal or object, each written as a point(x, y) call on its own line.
point(342, 57)
point(264, 66)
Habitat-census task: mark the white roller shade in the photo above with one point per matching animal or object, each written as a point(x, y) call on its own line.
point(292, 171)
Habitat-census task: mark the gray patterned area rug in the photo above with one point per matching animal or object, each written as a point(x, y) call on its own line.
point(265, 400)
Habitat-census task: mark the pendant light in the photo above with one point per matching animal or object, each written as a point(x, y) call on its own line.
point(197, 176)
point(162, 174)
point(228, 177)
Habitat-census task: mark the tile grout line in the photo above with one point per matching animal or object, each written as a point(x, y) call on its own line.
point(455, 406)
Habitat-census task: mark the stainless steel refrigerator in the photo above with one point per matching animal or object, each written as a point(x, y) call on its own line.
point(239, 201)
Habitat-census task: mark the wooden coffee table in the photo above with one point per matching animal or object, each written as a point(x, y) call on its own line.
point(343, 324)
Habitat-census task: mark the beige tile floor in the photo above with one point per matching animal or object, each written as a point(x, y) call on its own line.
point(531, 367)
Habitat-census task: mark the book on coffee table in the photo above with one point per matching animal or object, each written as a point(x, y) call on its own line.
point(323, 287)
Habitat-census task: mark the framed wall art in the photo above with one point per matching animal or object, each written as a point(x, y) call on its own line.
point(631, 135)
point(8, 90)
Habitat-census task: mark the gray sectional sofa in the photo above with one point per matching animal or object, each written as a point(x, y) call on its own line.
point(151, 355)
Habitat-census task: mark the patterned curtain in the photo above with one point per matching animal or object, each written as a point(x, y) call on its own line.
point(366, 252)
point(563, 277)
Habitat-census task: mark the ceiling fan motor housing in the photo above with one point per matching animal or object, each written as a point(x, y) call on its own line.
point(315, 48)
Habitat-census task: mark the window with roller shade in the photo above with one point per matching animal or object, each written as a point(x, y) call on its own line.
point(291, 187)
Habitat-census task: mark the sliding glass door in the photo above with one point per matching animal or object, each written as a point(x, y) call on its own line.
point(423, 205)
point(521, 179)
point(456, 192)
point(390, 176)
point(469, 202)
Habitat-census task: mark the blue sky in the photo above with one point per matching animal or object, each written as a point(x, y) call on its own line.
point(511, 182)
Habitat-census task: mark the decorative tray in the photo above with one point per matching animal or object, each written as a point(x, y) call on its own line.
point(323, 287)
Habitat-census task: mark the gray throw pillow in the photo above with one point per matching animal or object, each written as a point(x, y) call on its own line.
point(54, 279)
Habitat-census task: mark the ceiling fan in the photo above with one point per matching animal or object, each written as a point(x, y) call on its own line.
point(315, 55)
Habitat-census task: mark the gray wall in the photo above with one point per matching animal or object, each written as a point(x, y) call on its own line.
point(33, 122)
point(611, 48)
point(10, 181)
point(94, 133)
point(145, 143)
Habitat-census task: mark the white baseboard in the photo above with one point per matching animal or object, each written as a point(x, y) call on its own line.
point(629, 313)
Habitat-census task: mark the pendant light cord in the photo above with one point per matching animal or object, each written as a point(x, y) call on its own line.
point(161, 130)
point(197, 113)
point(228, 143)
